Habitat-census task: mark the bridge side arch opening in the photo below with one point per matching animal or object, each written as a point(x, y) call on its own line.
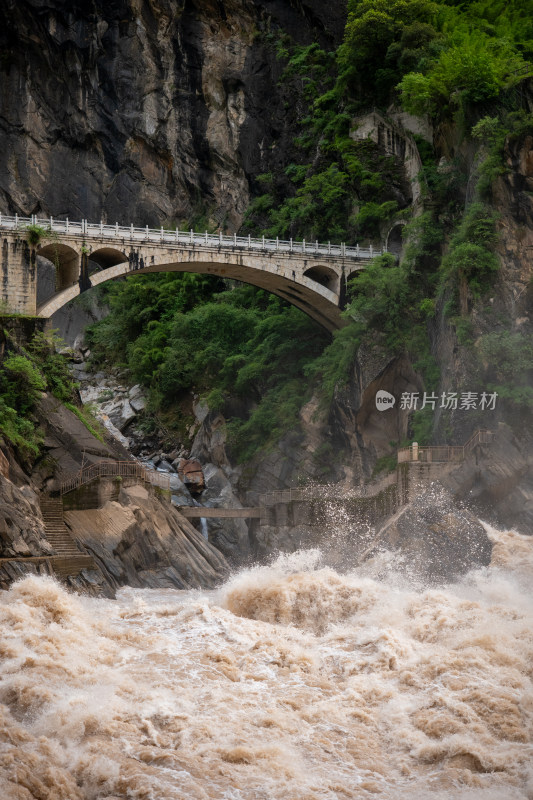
point(65, 261)
point(325, 276)
point(104, 257)
point(349, 278)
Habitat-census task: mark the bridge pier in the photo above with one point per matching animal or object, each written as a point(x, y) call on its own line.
point(18, 291)
point(84, 280)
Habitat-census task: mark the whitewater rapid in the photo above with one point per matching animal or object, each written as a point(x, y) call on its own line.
point(291, 682)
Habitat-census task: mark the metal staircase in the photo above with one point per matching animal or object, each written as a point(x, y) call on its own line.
point(69, 559)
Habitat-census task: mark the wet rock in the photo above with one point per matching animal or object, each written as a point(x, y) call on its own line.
point(164, 466)
point(90, 394)
point(127, 416)
point(68, 352)
point(177, 486)
point(135, 391)
point(144, 541)
point(230, 536)
point(219, 488)
point(437, 539)
point(81, 374)
point(138, 403)
point(182, 500)
point(498, 480)
point(123, 440)
point(210, 440)
point(181, 455)
point(21, 526)
point(122, 414)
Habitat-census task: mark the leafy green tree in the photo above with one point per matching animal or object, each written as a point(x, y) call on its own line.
point(471, 263)
point(383, 39)
point(472, 69)
point(22, 383)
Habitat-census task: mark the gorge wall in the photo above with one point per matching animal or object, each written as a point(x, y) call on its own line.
point(147, 112)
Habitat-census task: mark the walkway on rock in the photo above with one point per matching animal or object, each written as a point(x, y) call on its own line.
point(416, 467)
point(68, 560)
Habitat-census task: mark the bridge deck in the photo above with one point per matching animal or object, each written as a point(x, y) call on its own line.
point(189, 238)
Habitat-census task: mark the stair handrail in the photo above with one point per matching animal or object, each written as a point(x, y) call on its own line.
point(481, 436)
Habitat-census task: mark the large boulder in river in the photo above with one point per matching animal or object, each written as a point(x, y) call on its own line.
point(191, 473)
point(436, 538)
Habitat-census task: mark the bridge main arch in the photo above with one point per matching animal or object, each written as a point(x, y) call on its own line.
point(286, 281)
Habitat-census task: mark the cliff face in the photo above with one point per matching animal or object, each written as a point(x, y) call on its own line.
point(145, 111)
point(152, 112)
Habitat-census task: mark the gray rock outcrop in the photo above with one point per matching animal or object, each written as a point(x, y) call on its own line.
point(230, 536)
point(143, 541)
point(21, 526)
point(436, 539)
point(498, 482)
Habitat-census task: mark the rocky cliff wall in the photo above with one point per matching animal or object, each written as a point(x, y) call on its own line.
point(146, 111)
point(140, 540)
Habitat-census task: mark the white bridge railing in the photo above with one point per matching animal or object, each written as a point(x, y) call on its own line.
point(90, 230)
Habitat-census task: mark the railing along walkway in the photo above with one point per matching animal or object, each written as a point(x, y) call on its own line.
point(188, 239)
point(327, 491)
point(197, 512)
point(111, 469)
point(443, 452)
point(414, 453)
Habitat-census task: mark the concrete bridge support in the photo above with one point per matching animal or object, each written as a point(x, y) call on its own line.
point(19, 275)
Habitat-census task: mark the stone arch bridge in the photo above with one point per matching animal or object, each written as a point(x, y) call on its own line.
point(310, 275)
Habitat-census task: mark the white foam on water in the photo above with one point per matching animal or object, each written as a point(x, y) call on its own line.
point(291, 682)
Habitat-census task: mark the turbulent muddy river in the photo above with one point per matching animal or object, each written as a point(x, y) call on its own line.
point(291, 682)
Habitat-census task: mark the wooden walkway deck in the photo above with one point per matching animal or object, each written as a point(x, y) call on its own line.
point(197, 512)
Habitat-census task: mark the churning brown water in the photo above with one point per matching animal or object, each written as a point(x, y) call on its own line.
point(292, 682)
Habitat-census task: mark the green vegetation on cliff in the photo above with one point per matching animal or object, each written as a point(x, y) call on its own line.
point(239, 346)
point(465, 66)
point(25, 373)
